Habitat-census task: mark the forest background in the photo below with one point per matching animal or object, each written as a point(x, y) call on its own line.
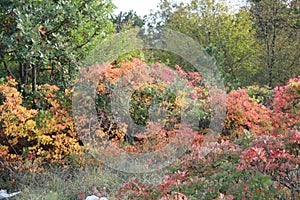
point(256, 49)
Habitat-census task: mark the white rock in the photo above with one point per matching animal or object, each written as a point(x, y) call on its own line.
point(93, 197)
point(4, 195)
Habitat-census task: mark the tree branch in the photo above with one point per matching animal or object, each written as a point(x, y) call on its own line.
point(87, 41)
point(8, 70)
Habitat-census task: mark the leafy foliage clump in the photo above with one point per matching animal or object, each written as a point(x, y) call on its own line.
point(157, 97)
point(261, 161)
point(256, 155)
point(35, 136)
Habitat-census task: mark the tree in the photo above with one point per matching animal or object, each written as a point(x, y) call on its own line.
point(42, 41)
point(277, 31)
point(127, 20)
point(124, 21)
point(227, 36)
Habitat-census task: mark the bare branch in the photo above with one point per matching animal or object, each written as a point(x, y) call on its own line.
point(8, 70)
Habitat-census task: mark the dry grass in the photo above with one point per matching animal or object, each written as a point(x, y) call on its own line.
point(68, 183)
point(64, 184)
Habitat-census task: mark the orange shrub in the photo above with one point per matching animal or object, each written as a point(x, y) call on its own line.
point(41, 135)
point(244, 113)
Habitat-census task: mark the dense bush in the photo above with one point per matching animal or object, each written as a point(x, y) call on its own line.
point(261, 161)
point(245, 114)
point(155, 87)
point(35, 137)
point(255, 157)
point(263, 95)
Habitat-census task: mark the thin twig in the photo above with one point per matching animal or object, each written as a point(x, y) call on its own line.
point(8, 70)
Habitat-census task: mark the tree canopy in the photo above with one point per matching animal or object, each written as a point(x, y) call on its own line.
point(258, 44)
point(42, 41)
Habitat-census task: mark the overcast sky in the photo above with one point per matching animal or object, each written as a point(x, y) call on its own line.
point(143, 7)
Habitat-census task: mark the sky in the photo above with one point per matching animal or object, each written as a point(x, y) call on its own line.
point(143, 7)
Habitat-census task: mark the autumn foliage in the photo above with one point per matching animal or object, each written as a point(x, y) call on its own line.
point(42, 135)
point(164, 90)
point(255, 157)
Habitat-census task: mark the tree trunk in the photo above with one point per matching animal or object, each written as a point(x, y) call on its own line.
point(33, 79)
point(23, 78)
